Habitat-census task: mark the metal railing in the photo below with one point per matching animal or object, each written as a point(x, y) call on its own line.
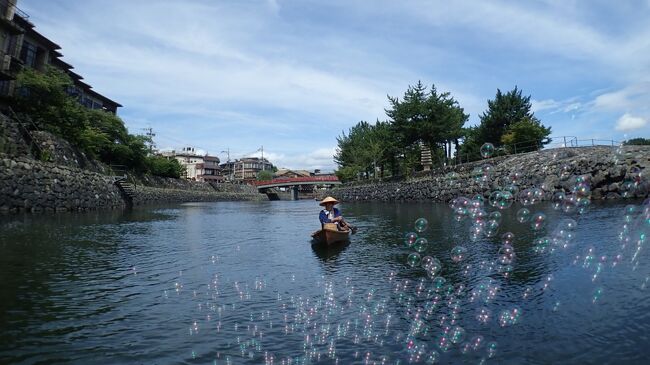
point(24, 129)
point(532, 146)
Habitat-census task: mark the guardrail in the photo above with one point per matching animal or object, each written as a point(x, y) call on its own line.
point(315, 179)
point(531, 146)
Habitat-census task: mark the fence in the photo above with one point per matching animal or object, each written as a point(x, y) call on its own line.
point(531, 146)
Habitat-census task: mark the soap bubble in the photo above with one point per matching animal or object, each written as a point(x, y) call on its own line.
point(421, 244)
point(458, 253)
point(413, 259)
point(507, 238)
point(566, 171)
point(495, 216)
point(512, 189)
point(582, 205)
point(457, 334)
point(487, 149)
point(443, 342)
point(433, 357)
point(491, 349)
point(570, 204)
point(515, 177)
point(483, 315)
point(538, 221)
point(439, 282)
point(432, 265)
point(523, 215)
point(501, 199)
point(509, 317)
point(541, 244)
point(506, 255)
point(426, 261)
point(409, 239)
point(627, 188)
point(505, 270)
point(582, 189)
point(557, 200)
point(531, 196)
point(479, 200)
point(597, 294)
point(491, 228)
point(568, 224)
point(421, 225)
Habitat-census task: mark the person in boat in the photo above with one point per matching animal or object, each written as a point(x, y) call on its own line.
point(331, 214)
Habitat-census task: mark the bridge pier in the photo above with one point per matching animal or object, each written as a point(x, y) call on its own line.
point(294, 192)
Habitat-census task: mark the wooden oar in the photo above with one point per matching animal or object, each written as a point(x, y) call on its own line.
point(354, 229)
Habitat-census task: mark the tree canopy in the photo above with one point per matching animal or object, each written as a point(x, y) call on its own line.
point(43, 97)
point(637, 142)
point(508, 122)
point(429, 117)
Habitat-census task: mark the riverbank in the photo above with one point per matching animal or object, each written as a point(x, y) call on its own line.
point(40, 172)
point(28, 185)
point(612, 173)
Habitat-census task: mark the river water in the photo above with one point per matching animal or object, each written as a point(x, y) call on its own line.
point(240, 283)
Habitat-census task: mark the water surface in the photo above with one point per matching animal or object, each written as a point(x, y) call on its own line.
point(240, 283)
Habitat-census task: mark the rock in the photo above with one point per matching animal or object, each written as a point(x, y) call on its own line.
point(613, 196)
point(612, 187)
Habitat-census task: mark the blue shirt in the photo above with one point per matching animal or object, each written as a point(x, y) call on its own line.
point(324, 218)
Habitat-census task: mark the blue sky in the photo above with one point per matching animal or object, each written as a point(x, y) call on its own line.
point(292, 75)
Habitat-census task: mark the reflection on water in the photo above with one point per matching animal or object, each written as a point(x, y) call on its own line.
point(240, 282)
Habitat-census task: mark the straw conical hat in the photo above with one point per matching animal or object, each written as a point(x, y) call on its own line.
point(329, 199)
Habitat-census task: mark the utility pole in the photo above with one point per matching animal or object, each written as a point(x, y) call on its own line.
point(231, 168)
point(149, 133)
point(262, 158)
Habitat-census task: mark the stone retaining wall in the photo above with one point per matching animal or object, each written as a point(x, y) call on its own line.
point(147, 195)
point(612, 172)
point(28, 185)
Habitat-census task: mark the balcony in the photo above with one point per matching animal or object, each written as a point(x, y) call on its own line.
point(8, 10)
point(9, 66)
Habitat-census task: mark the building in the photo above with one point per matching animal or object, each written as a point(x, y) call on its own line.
point(197, 167)
point(22, 46)
point(247, 168)
point(286, 173)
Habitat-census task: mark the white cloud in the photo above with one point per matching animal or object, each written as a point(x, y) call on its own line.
point(628, 122)
point(539, 105)
point(320, 158)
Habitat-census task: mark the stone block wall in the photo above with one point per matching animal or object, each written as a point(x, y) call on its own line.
point(609, 170)
point(28, 185)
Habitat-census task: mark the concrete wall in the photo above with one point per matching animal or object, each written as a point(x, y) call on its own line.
point(610, 171)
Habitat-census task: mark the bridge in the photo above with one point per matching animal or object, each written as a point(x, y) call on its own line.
point(267, 186)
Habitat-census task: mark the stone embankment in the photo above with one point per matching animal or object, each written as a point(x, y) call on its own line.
point(28, 185)
point(42, 173)
point(35, 186)
point(156, 189)
point(612, 173)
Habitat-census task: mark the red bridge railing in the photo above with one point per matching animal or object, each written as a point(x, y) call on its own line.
point(314, 179)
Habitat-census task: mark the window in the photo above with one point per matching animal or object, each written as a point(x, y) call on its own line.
point(28, 54)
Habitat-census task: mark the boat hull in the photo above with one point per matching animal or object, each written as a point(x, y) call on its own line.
point(328, 236)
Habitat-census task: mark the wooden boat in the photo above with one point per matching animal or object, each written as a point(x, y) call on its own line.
point(330, 234)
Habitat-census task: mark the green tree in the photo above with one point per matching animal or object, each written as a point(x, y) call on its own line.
point(43, 98)
point(428, 117)
point(637, 142)
point(366, 149)
point(161, 166)
point(525, 135)
point(508, 121)
point(264, 175)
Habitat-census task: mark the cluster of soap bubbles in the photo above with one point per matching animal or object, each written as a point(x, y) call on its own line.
point(484, 214)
